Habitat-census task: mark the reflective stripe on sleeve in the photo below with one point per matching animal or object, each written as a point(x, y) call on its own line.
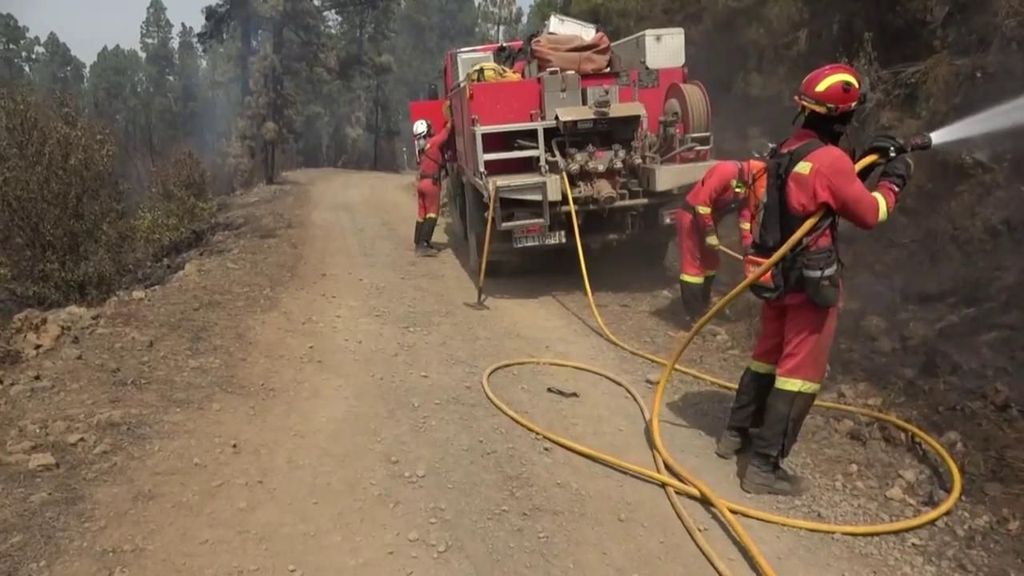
point(883, 207)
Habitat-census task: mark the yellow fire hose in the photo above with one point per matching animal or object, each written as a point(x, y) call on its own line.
point(684, 482)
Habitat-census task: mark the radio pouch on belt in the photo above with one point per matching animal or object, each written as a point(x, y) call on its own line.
point(819, 275)
point(773, 225)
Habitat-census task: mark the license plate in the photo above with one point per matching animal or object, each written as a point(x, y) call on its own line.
point(540, 239)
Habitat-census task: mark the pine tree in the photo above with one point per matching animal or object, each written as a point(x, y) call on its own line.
point(156, 40)
point(231, 30)
point(188, 85)
point(221, 18)
point(115, 95)
point(17, 49)
point(57, 71)
point(500, 20)
point(364, 45)
point(421, 51)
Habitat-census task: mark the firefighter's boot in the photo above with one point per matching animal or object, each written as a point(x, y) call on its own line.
point(428, 232)
point(419, 233)
point(691, 295)
point(764, 475)
point(747, 412)
point(705, 294)
point(785, 412)
point(731, 443)
point(423, 246)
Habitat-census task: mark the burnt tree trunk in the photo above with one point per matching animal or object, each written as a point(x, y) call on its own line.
point(276, 90)
point(376, 126)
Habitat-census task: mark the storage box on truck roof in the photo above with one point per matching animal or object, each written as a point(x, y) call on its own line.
point(657, 49)
point(559, 24)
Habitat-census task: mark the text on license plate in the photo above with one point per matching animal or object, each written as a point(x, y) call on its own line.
point(541, 239)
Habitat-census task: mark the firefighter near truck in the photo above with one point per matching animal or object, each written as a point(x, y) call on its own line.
point(619, 126)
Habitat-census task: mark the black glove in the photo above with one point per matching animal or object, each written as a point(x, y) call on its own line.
point(885, 146)
point(897, 172)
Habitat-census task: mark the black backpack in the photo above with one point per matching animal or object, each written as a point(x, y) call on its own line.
point(773, 224)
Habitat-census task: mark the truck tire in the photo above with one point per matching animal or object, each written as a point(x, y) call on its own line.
point(651, 250)
point(455, 191)
point(474, 225)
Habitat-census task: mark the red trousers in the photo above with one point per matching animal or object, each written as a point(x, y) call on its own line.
point(794, 343)
point(428, 199)
point(696, 259)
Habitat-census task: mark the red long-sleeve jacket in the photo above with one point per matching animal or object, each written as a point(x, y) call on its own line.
point(827, 178)
point(432, 157)
point(714, 194)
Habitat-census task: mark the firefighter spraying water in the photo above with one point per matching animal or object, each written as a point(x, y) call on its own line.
point(807, 173)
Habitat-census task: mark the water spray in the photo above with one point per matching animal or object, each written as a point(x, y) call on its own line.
point(999, 118)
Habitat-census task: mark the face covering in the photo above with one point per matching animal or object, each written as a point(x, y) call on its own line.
point(830, 129)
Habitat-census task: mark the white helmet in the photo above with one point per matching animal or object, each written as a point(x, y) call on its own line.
point(420, 129)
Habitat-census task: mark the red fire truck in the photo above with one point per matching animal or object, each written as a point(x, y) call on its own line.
point(630, 139)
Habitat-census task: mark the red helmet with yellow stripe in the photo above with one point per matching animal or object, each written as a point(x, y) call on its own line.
point(831, 90)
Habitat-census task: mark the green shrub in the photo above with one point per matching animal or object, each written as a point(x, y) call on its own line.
point(178, 212)
point(63, 233)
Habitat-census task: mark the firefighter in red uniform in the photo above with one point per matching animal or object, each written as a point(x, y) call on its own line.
point(428, 184)
point(723, 187)
point(806, 173)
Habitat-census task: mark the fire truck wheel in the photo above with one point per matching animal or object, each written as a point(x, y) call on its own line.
point(474, 226)
point(455, 193)
point(650, 252)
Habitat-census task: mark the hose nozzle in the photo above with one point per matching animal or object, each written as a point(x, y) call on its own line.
point(919, 142)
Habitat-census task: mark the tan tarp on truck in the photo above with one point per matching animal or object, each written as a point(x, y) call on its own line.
point(572, 53)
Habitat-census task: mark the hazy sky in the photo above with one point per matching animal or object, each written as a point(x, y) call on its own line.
point(88, 25)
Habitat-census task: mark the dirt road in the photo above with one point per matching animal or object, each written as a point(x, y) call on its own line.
point(349, 434)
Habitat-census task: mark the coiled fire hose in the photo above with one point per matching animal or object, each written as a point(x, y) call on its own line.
point(681, 481)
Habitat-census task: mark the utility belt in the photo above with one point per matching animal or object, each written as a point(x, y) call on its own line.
point(436, 179)
point(686, 207)
point(816, 273)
